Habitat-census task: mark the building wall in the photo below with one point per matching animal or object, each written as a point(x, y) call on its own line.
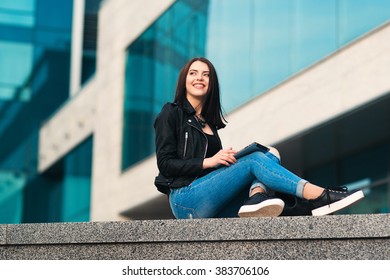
point(121, 22)
point(73, 123)
point(99, 107)
point(345, 80)
point(339, 83)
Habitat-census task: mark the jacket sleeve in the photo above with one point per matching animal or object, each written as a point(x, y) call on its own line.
point(168, 161)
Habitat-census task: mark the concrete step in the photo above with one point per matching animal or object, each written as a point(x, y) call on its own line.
point(282, 238)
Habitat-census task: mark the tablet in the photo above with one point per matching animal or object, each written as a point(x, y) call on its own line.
point(254, 147)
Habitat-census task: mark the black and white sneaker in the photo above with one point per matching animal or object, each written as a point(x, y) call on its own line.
point(261, 205)
point(332, 200)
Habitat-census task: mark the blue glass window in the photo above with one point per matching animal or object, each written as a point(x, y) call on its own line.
point(35, 40)
point(153, 63)
point(19, 13)
point(90, 39)
point(16, 62)
point(254, 45)
point(63, 192)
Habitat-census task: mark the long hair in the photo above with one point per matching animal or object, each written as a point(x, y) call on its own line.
point(211, 110)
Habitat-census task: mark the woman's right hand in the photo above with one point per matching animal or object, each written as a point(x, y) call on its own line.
point(224, 157)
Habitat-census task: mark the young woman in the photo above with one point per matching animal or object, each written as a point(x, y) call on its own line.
point(204, 180)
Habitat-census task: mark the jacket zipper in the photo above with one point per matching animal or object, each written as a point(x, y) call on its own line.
point(205, 151)
point(185, 143)
point(207, 141)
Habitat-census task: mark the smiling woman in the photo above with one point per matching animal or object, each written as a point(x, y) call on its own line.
point(205, 180)
point(197, 82)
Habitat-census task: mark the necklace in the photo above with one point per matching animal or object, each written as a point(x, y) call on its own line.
point(200, 121)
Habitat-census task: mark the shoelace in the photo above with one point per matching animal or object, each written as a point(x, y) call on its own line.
point(334, 189)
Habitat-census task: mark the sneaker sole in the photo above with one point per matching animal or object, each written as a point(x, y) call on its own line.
point(338, 205)
point(268, 208)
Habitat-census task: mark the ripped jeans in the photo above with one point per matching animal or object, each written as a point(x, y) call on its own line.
point(221, 193)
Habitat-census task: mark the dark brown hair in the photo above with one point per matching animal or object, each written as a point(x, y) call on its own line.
point(211, 109)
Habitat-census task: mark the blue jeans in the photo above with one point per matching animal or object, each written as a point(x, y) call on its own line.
point(222, 192)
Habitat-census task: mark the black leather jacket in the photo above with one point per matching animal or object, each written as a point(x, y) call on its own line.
point(181, 146)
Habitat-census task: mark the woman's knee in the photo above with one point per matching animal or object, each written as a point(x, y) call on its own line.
point(275, 152)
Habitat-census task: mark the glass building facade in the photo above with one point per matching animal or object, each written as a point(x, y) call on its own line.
point(255, 45)
point(152, 66)
point(88, 63)
point(35, 49)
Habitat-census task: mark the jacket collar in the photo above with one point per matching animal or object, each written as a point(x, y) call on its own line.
point(188, 107)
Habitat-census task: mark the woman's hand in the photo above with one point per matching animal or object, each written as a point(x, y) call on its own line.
point(224, 157)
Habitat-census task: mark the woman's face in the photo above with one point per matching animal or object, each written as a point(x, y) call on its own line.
point(197, 82)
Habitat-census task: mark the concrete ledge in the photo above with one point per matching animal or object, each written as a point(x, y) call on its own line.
point(305, 237)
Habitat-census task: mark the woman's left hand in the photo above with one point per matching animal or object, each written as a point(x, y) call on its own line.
point(224, 157)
